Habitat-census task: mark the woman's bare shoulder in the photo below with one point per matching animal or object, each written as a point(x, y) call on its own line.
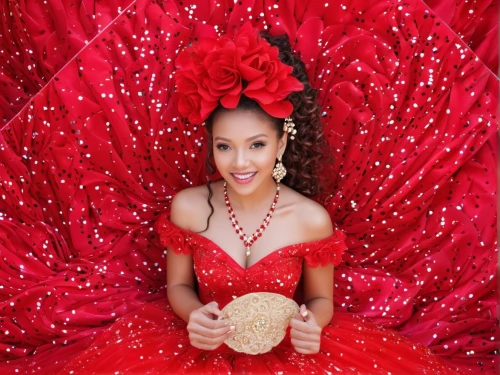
point(189, 205)
point(195, 192)
point(311, 216)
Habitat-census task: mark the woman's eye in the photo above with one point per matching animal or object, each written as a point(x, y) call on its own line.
point(222, 147)
point(258, 145)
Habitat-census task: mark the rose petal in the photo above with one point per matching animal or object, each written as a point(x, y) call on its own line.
point(230, 101)
point(278, 109)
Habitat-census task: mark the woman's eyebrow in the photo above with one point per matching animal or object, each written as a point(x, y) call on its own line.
point(248, 139)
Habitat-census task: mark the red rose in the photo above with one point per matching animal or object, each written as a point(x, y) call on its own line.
point(223, 79)
point(189, 107)
point(253, 50)
point(190, 102)
point(171, 235)
point(221, 70)
point(191, 58)
point(323, 257)
point(275, 84)
point(270, 80)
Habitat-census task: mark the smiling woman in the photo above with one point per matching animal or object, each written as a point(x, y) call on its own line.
point(105, 110)
point(249, 150)
point(249, 153)
point(267, 144)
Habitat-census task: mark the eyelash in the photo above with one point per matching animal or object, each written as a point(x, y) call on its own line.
point(219, 146)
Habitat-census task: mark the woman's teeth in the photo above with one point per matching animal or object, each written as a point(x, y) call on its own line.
point(243, 176)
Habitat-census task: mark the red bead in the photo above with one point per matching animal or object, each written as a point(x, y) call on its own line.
point(263, 226)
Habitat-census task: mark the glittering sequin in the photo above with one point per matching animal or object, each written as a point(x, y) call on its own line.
point(349, 344)
point(92, 150)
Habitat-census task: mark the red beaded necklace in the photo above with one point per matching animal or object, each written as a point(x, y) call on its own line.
point(248, 242)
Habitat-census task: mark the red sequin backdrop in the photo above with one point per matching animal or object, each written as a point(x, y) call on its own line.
point(92, 151)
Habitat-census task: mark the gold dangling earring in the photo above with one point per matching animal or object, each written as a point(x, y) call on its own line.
point(279, 170)
point(289, 126)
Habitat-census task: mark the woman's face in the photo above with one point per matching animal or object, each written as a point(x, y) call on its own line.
point(245, 148)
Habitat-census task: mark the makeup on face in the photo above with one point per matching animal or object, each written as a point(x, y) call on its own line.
point(245, 147)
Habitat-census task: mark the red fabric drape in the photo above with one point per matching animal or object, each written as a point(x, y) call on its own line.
point(92, 151)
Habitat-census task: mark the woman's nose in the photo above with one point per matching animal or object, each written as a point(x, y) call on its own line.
point(240, 159)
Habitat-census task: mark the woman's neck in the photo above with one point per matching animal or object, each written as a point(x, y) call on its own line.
point(262, 196)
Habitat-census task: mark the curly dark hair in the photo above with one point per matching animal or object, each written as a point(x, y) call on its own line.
point(308, 153)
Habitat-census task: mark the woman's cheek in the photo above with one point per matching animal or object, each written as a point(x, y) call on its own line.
point(223, 160)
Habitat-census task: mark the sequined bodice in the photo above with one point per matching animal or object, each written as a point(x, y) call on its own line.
point(221, 278)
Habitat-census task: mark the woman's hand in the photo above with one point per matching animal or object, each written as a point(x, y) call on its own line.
point(206, 330)
point(305, 332)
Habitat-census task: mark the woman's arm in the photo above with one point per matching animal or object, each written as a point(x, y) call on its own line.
point(206, 330)
point(318, 292)
point(180, 285)
point(180, 272)
point(318, 281)
point(317, 311)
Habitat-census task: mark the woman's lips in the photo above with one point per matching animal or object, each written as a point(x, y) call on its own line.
point(243, 178)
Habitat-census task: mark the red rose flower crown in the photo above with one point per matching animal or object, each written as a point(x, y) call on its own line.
point(215, 71)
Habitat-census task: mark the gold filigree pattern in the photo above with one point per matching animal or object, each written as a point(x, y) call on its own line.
point(261, 320)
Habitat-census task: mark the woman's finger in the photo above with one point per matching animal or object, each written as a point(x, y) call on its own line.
point(306, 351)
point(209, 332)
point(299, 325)
point(211, 309)
point(308, 316)
point(305, 336)
point(204, 320)
point(195, 336)
point(298, 317)
point(203, 346)
point(303, 310)
point(305, 345)
point(307, 327)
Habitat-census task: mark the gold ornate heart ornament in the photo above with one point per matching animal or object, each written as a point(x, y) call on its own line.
point(261, 320)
